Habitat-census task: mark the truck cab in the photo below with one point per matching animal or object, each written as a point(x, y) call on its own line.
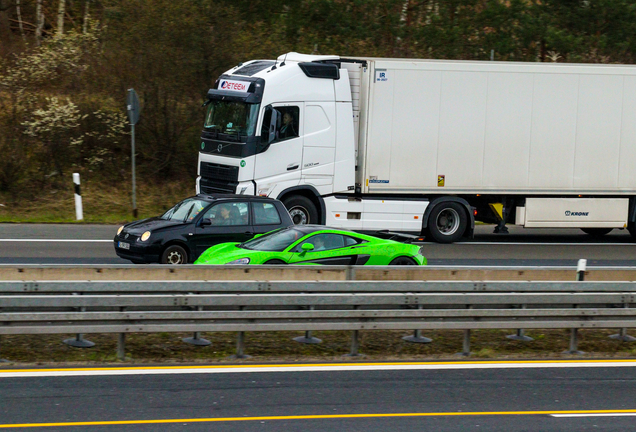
point(281, 128)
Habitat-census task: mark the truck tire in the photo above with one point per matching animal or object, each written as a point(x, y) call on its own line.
point(447, 222)
point(596, 232)
point(174, 254)
point(301, 209)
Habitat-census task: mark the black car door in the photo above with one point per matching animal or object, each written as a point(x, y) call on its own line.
point(224, 222)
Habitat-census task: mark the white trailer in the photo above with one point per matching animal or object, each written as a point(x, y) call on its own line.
point(427, 146)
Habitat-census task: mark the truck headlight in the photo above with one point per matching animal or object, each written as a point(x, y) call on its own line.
point(240, 261)
point(145, 236)
point(121, 228)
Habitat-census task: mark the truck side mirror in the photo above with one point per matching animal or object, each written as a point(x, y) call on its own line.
point(272, 126)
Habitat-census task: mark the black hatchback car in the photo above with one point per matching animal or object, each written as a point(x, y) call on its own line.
point(182, 233)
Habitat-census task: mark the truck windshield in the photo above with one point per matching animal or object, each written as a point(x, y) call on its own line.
point(234, 120)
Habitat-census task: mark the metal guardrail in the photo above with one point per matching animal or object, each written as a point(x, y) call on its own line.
point(305, 273)
point(240, 306)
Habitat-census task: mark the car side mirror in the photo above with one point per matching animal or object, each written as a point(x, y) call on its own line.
point(206, 221)
point(306, 247)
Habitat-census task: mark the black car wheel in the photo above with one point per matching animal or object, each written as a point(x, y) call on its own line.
point(174, 255)
point(275, 262)
point(403, 261)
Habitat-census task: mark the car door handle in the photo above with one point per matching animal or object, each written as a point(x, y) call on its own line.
point(292, 167)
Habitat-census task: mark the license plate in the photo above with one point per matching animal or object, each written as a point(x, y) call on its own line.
point(123, 245)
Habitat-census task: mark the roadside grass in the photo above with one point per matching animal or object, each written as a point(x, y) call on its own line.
point(167, 348)
point(102, 203)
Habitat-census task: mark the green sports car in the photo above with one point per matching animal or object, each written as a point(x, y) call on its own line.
point(314, 244)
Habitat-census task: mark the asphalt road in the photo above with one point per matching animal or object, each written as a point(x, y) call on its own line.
point(92, 244)
point(506, 400)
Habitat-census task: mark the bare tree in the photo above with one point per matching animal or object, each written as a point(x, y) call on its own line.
point(19, 16)
point(87, 4)
point(39, 19)
point(61, 9)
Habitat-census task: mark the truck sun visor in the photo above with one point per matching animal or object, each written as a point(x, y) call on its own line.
point(243, 89)
point(320, 70)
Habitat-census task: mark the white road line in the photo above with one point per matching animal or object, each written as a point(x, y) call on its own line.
point(170, 370)
point(595, 415)
point(55, 241)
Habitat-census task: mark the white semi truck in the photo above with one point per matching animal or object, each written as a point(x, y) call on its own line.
point(427, 146)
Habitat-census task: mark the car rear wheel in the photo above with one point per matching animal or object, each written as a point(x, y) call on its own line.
point(275, 262)
point(403, 261)
point(174, 255)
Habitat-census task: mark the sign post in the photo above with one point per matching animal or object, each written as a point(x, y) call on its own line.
point(132, 103)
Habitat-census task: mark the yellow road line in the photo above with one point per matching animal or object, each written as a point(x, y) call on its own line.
point(309, 365)
point(309, 417)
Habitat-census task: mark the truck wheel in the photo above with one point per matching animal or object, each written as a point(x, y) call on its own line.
point(174, 255)
point(596, 232)
point(301, 210)
point(447, 222)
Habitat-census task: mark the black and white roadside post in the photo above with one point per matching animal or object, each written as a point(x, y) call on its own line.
point(133, 107)
point(574, 333)
point(79, 213)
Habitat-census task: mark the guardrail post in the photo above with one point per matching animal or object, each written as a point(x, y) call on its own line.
point(622, 334)
point(196, 339)
point(355, 342)
point(79, 341)
point(240, 343)
point(240, 346)
point(417, 334)
point(121, 346)
point(521, 333)
point(466, 341)
point(574, 333)
point(308, 338)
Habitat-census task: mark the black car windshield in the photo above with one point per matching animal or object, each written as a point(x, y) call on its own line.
point(235, 120)
point(186, 210)
point(275, 241)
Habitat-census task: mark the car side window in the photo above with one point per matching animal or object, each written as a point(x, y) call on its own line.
point(265, 214)
point(323, 242)
point(352, 241)
point(228, 213)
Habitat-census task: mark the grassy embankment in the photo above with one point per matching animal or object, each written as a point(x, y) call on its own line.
point(279, 346)
point(102, 203)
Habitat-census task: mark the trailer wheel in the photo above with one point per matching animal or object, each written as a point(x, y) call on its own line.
point(596, 232)
point(301, 209)
point(447, 222)
point(174, 255)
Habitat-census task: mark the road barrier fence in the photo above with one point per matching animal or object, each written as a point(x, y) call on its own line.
point(123, 307)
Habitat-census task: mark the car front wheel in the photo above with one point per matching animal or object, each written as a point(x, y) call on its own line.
point(174, 255)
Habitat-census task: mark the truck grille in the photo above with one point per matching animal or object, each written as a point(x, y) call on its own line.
point(216, 172)
point(212, 186)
